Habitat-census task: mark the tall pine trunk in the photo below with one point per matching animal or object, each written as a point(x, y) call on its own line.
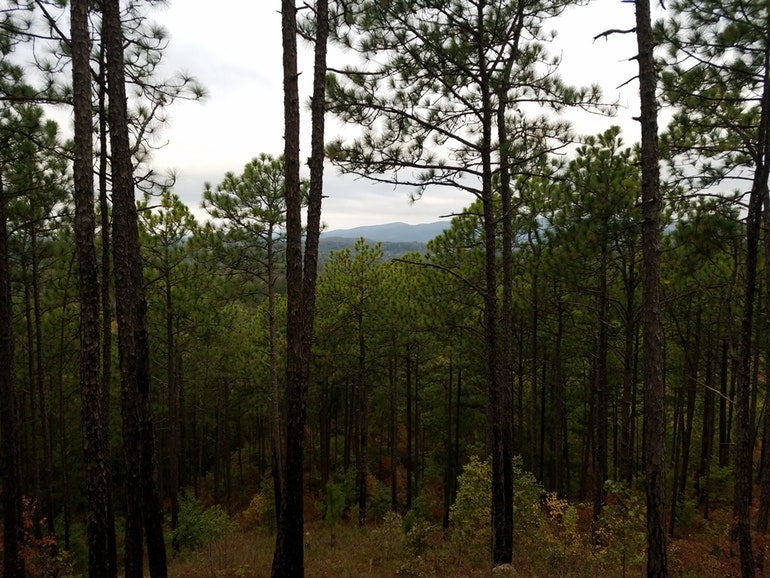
point(301, 274)
point(102, 557)
point(654, 385)
point(143, 512)
point(10, 443)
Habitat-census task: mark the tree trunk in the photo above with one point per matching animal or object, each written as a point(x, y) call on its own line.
point(104, 216)
point(393, 402)
point(174, 411)
point(629, 378)
point(724, 426)
point(707, 437)
point(744, 427)
point(362, 411)
point(654, 387)
point(409, 430)
point(600, 387)
point(13, 529)
point(143, 500)
point(102, 555)
point(301, 273)
point(559, 433)
point(764, 496)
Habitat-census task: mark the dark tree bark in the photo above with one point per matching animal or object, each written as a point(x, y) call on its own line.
point(707, 437)
point(173, 377)
point(143, 510)
point(47, 478)
point(104, 219)
point(409, 432)
point(744, 428)
point(654, 386)
point(362, 410)
point(449, 474)
point(393, 427)
point(102, 558)
point(301, 274)
point(600, 384)
point(764, 496)
point(724, 426)
point(559, 432)
point(629, 372)
point(10, 443)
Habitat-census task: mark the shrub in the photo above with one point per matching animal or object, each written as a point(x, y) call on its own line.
point(379, 498)
point(258, 512)
point(339, 496)
point(471, 512)
point(199, 525)
point(527, 495)
point(622, 528)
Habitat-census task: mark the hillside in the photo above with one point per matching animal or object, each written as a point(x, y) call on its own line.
point(396, 238)
point(391, 232)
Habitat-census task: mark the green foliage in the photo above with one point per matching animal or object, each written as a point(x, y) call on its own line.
point(527, 494)
point(471, 512)
point(419, 513)
point(391, 534)
point(720, 483)
point(418, 538)
point(339, 496)
point(260, 512)
point(379, 499)
point(199, 525)
point(622, 529)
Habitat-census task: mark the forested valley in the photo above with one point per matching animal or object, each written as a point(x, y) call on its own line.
point(570, 380)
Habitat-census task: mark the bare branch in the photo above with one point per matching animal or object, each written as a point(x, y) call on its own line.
point(611, 31)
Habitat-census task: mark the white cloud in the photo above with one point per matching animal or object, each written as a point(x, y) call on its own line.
point(234, 48)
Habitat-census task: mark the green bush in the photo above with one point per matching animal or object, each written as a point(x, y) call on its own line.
point(621, 530)
point(339, 496)
point(527, 495)
point(470, 515)
point(379, 499)
point(720, 483)
point(199, 525)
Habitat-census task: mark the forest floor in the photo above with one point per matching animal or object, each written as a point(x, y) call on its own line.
point(549, 541)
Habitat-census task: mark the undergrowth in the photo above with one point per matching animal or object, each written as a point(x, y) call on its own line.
point(552, 537)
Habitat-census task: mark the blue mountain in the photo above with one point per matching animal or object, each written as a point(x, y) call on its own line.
point(391, 232)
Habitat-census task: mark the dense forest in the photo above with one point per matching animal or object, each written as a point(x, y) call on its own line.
point(570, 380)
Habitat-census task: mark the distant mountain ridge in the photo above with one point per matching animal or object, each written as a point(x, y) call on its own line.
point(391, 232)
point(396, 238)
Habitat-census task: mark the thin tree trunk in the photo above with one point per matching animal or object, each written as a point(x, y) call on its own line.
point(558, 437)
point(174, 410)
point(363, 422)
point(629, 378)
point(654, 385)
point(600, 387)
point(448, 467)
point(104, 216)
point(42, 394)
point(409, 430)
point(724, 428)
point(393, 399)
point(707, 437)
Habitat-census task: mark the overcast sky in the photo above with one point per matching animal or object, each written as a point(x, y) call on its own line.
point(233, 47)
